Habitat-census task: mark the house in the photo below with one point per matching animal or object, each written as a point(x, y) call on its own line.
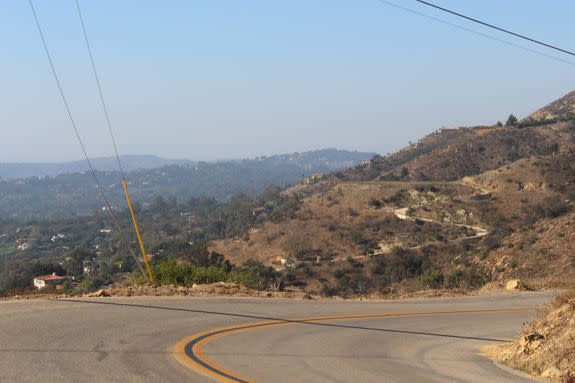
point(282, 263)
point(23, 246)
point(89, 266)
point(256, 211)
point(58, 236)
point(52, 280)
point(312, 179)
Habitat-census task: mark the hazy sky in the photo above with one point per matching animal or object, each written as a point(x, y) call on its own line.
point(213, 79)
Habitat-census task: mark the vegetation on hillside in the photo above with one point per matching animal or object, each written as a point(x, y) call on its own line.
point(174, 231)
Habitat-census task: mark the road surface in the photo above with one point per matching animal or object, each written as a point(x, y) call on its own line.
point(178, 339)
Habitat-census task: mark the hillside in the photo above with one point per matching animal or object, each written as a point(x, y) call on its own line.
point(459, 208)
point(563, 107)
point(451, 154)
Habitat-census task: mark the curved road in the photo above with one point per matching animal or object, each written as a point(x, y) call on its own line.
point(159, 339)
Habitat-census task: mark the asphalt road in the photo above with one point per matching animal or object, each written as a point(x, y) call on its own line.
point(175, 339)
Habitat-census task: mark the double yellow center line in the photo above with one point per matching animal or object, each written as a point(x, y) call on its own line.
point(190, 353)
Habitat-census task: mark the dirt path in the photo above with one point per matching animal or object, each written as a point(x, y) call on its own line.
point(479, 231)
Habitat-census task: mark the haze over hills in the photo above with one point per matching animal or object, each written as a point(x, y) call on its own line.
point(72, 189)
point(106, 164)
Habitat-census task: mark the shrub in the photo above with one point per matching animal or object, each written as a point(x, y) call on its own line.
point(468, 278)
point(327, 255)
point(209, 274)
point(137, 279)
point(354, 263)
point(399, 265)
point(88, 283)
point(432, 279)
point(553, 207)
point(184, 273)
point(375, 203)
point(339, 273)
point(297, 245)
point(255, 275)
point(328, 290)
point(170, 272)
point(397, 197)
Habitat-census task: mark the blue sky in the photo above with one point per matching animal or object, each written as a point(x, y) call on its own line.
point(214, 79)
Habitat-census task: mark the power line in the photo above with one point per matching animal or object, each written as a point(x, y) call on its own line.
point(509, 43)
point(97, 78)
point(79, 138)
point(496, 27)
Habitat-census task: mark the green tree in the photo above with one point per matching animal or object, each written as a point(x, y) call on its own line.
point(404, 172)
point(511, 121)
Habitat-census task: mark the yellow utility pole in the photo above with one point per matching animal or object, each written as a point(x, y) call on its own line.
point(142, 247)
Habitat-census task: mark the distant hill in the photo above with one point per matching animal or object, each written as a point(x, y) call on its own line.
point(106, 164)
point(70, 193)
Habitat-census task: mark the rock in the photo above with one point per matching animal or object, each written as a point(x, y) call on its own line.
point(531, 341)
point(100, 293)
point(514, 285)
point(551, 372)
point(534, 336)
point(307, 297)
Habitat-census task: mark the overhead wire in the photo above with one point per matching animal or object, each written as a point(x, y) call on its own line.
point(107, 204)
point(521, 36)
point(99, 86)
point(469, 30)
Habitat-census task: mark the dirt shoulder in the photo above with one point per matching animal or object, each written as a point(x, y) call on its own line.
point(225, 289)
point(547, 348)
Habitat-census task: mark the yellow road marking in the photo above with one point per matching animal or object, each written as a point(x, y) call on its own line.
point(210, 368)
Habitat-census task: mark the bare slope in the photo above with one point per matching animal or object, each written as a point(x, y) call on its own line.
point(559, 108)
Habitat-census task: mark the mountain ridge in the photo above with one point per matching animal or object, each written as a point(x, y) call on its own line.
point(135, 162)
point(15, 170)
point(75, 193)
